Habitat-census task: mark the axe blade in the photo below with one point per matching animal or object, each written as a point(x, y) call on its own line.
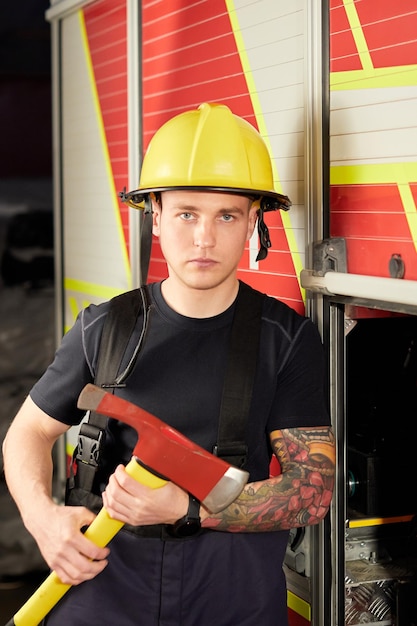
point(166, 452)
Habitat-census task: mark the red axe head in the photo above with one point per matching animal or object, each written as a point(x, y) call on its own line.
point(165, 451)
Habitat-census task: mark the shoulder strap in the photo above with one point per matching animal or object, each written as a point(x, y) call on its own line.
point(240, 376)
point(118, 327)
point(117, 330)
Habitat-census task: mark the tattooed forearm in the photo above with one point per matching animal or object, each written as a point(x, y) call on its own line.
point(299, 496)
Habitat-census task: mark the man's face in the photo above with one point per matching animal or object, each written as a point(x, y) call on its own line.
point(203, 234)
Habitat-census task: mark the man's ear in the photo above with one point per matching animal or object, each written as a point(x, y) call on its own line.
point(156, 218)
point(253, 215)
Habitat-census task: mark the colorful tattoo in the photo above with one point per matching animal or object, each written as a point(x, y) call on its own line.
point(299, 496)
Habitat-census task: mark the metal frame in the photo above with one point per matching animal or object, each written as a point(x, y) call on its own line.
point(317, 227)
point(338, 507)
point(60, 463)
point(134, 128)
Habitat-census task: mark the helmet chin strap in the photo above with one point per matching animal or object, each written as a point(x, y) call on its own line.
point(263, 233)
point(268, 204)
point(146, 239)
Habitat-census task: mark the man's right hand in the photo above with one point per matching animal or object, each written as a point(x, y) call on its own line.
point(56, 529)
point(65, 549)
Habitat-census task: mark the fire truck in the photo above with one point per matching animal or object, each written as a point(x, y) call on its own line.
point(332, 87)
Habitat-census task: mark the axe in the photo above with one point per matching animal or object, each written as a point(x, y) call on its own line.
point(161, 454)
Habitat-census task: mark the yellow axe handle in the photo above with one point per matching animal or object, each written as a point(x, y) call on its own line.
point(101, 531)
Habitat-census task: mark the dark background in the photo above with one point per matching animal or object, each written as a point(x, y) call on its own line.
point(25, 90)
point(26, 311)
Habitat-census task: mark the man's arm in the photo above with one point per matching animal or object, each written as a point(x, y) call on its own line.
point(27, 451)
point(299, 496)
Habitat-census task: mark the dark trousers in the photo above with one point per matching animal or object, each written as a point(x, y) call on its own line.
point(220, 579)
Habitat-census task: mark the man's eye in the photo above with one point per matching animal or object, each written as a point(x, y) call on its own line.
point(227, 217)
point(186, 216)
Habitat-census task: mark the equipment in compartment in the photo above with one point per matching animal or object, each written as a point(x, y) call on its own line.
point(374, 488)
point(370, 603)
point(380, 566)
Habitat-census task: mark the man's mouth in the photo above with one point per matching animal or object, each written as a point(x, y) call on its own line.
point(203, 262)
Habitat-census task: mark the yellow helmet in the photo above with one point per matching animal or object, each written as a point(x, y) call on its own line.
point(209, 149)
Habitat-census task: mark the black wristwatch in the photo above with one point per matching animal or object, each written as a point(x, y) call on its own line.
point(190, 524)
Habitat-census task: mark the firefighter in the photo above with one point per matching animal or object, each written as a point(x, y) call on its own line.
point(206, 181)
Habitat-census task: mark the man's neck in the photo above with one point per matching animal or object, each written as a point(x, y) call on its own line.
point(199, 303)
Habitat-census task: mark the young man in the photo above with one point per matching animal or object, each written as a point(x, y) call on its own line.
point(208, 177)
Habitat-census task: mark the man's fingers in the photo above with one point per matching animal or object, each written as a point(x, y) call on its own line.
point(79, 569)
point(89, 549)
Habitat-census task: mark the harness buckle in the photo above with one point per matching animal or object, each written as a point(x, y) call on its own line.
point(235, 454)
point(90, 440)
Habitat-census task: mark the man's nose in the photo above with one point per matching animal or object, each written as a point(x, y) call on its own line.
point(204, 234)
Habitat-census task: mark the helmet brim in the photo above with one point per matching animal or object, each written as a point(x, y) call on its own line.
point(271, 200)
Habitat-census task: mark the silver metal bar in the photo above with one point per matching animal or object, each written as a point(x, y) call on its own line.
point(394, 290)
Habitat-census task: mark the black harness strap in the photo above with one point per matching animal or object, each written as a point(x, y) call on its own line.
point(119, 325)
point(240, 376)
point(146, 240)
point(117, 330)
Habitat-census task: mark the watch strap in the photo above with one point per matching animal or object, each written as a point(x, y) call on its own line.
point(190, 524)
point(193, 508)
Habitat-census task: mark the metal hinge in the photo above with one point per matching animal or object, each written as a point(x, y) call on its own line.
point(329, 255)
